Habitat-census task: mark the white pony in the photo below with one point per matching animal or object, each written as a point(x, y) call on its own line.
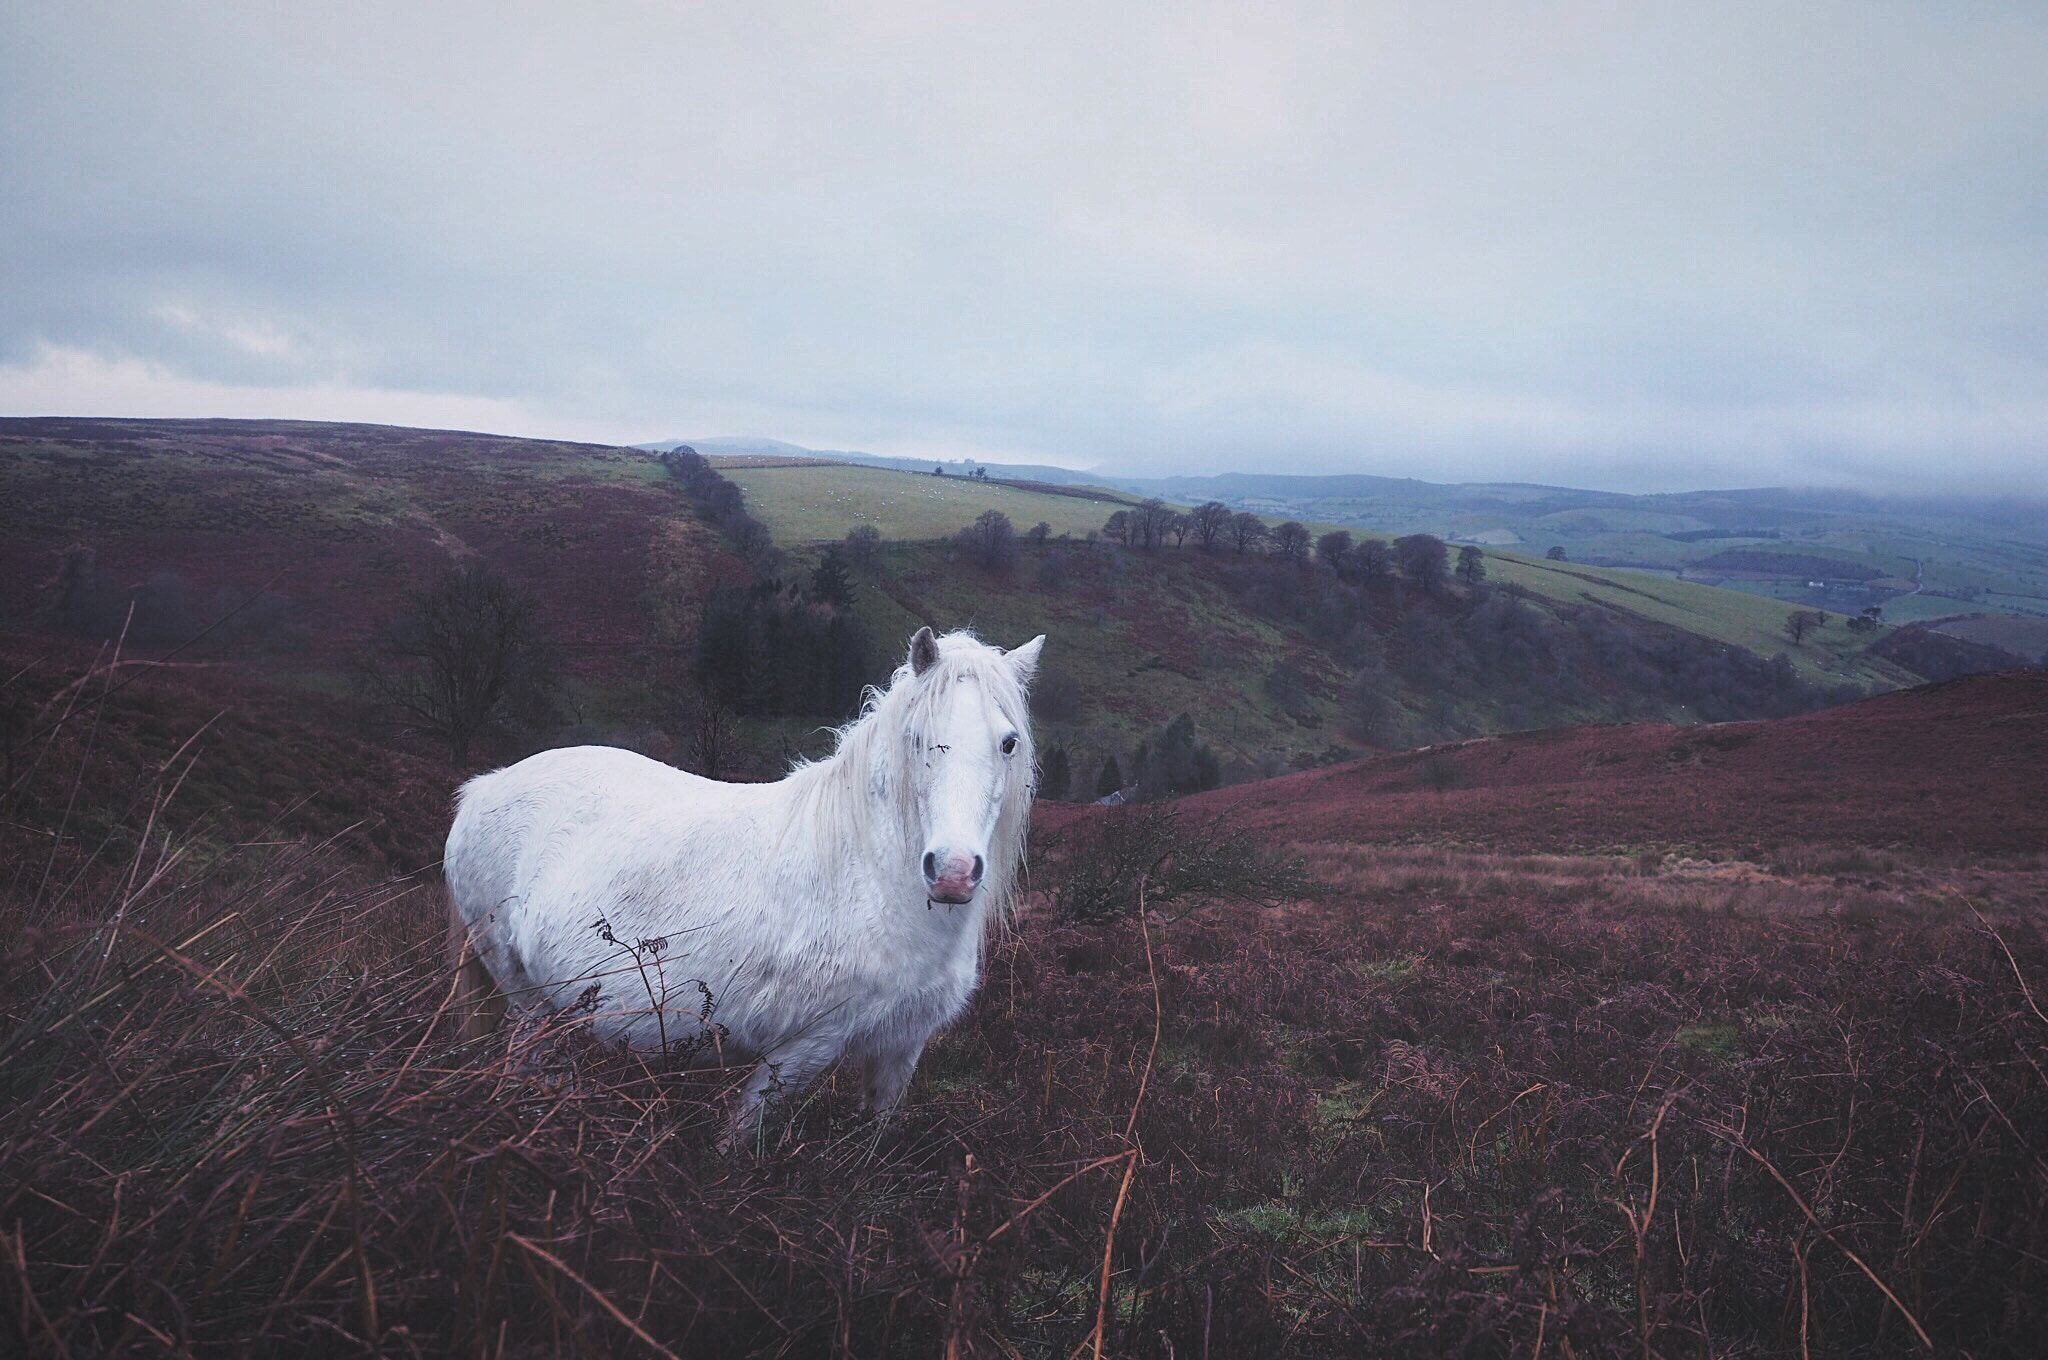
point(839, 911)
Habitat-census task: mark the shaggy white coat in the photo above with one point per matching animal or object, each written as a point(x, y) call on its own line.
point(801, 905)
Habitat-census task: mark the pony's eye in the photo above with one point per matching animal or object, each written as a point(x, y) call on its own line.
point(1010, 744)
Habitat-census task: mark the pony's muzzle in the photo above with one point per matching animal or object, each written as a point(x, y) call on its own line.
point(950, 876)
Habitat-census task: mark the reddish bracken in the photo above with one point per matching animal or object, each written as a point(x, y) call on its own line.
point(1962, 765)
point(1467, 1103)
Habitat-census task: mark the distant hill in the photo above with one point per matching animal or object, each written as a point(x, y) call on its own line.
point(804, 504)
point(1941, 655)
point(1918, 559)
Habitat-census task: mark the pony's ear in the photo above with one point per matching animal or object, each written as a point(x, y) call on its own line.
point(924, 652)
point(1024, 660)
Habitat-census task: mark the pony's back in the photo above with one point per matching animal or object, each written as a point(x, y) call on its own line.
point(511, 822)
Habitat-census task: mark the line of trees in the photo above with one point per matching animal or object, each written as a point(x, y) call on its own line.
point(1169, 762)
point(784, 649)
point(1423, 558)
point(1426, 660)
point(721, 502)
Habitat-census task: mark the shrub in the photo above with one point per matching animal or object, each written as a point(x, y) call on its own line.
point(1056, 774)
point(991, 540)
point(1099, 865)
point(863, 547)
point(1058, 697)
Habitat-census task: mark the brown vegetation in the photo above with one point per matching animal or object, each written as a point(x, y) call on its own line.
point(1466, 1103)
point(1960, 766)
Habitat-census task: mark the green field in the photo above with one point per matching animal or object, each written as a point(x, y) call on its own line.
point(814, 502)
point(1751, 621)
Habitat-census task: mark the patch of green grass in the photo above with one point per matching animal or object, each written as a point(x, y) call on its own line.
point(817, 502)
point(1392, 971)
point(1719, 1038)
point(1753, 622)
point(1285, 1220)
point(1342, 1111)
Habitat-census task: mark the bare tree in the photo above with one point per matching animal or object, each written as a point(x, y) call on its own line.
point(864, 546)
point(1333, 550)
point(1178, 526)
point(714, 739)
point(1211, 521)
point(1247, 531)
point(1424, 558)
point(1151, 522)
point(1370, 559)
point(1118, 526)
point(1038, 534)
point(992, 539)
point(459, 654)
point(1800, 622)
point(1291, 541)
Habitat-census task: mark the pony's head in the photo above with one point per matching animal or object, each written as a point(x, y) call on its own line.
point(959, 709)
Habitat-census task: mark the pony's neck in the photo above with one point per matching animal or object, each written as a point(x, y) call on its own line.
point(854, 802)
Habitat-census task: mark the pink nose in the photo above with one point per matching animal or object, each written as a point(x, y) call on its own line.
point(951, 876)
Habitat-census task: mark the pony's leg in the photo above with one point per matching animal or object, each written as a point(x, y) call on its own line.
point(886, 1075)
point(478, 1005)
point(783, 1073)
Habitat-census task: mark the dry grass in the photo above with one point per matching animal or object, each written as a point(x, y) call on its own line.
point(1466, 1104)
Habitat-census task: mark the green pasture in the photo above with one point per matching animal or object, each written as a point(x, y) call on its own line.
point(807, 503)
point(1751, 621)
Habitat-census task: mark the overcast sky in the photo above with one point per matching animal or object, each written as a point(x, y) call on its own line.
point(1626, 245)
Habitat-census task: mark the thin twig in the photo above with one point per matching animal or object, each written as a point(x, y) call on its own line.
point(2018, 976)
point(1724, 1132)
point(559, 1264)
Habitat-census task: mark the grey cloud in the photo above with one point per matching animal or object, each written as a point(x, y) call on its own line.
point(1735, 243)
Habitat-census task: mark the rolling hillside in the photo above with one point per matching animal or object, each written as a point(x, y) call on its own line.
point(1959, 767)
point(333, 523)
point(1650, 1038)
point(1920, 559)
point(804, 502)
point(305, 535)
